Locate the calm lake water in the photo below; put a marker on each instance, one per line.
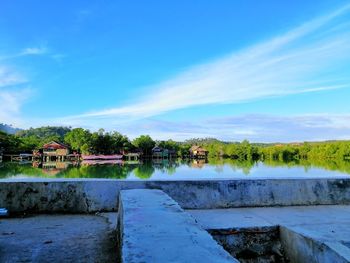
(177, 170)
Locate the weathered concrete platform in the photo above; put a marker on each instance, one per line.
(154, 228)
(58, 238)
(308, 233)
(308, 217)
(86, 196)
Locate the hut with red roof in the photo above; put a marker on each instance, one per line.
(55, 151)
(198, 152)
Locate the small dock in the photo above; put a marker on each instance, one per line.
(132, 156)
(18, 157)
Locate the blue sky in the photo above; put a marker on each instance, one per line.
(259, 70)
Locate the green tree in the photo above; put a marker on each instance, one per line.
(101, 143)
(145, 143)
(78, 139)
(169, 144)
(30, 143)
(56, 132)
(121, 142)
(304, 150)
(184, 150)
(9, 143)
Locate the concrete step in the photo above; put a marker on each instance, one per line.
(310, 234)
(154, 228)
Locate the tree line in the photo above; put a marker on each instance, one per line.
(279, 152)
(80, 140)
(102, 142)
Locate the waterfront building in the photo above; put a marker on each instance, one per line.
(55, 151)
(159, 152)
(198, 152)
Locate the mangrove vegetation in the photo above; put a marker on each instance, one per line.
(102, 142)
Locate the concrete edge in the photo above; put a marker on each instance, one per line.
(88, 196)
(304, 249)
(150, 240)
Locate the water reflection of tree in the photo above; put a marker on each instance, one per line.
(235, 164)
(71, 171)
(244, 165)
(326, 164)
(14, 169)
(171, 169)
(144, 171)
(98, 171)
(147, 169)
(167, 166)
(171, 166)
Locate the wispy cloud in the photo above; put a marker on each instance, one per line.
(12, 97)
(29, 51)
(11, 102)
(33, 51)
(254, 127)
(272, 128)
(10, 77)
(14, 86)
(309, 58)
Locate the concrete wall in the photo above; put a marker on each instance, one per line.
(302, 249)
(76, 196)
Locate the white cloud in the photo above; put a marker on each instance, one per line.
(12, 97)
(309, 58)
(272, 128)
(12, 92)
(254, 127)
(11, 103)
(29, 51)
(9, 77)
(33, 51)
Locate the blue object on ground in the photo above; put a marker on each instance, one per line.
(3, 212)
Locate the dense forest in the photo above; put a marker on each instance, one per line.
(102, 142)
(280, 152)
(79, 140)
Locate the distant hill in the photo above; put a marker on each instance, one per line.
(203, 141)
(47, 132)
(8, 128)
